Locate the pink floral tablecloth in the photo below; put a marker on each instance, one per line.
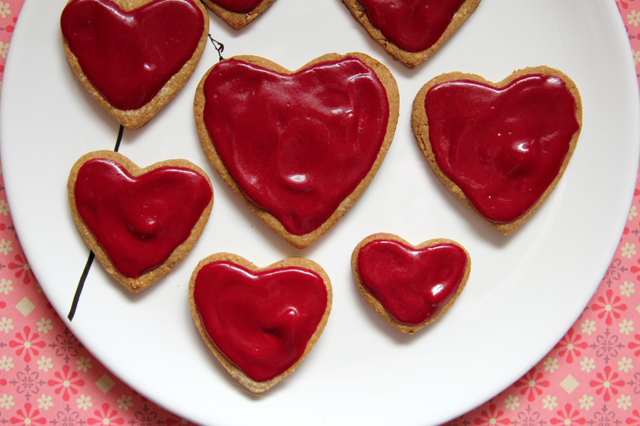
(591, 377)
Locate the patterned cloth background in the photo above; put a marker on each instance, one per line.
(591, 377)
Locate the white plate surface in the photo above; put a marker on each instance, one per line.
(524, 292)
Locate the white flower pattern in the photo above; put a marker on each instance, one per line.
(627, 289)
(45, 402)
(628, 250)
(4, 9)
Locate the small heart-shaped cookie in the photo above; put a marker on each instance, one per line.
(298, 148)
(238, 13)
(411, 30)
(138, 222)
(259, 322)
(410, 286)
(500, 148)
(133, 56)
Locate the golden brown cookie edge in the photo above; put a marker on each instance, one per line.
(134, 119)
(303, 241)
(377, 306)
(179, 253)
(236, 373)
(235, 20)
(409, 59)
(420, 126)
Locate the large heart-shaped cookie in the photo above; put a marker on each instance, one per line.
(259, 322)
(500, 148)
(238, 13)
(138, 222)
(133, 56)
(410, 286)
(297, 148)
(411, 30)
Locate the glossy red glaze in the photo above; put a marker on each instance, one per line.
(129, 56)
(502, 147)
(260, 320)
(139, 221)
(297, 145)
(238, 6)
(412, 25)
(413, 285)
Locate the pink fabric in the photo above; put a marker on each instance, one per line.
(591, 377)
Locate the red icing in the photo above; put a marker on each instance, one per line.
(412, 25)
(412, 285)
(139, 221)
(238, 6)
(502, 147)
(129, 56)
(261, 321)
(299, 144)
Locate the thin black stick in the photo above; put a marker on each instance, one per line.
(218, 46)
(83, 278)
(87, 266)
(120, 132)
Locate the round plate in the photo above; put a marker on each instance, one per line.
(524, 292)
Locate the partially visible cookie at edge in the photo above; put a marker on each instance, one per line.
(238, 19)
(411, 59)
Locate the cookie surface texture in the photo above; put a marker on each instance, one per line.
(138, 222)
(500, 148)
(410, 286)
(298, 148)
(133, 56)
(411, 30)
(260, 323)
(238, 13)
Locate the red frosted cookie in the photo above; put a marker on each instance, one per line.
(133, 56)
(411, 30)
(298, 148)
(410, 286)
(138, 222)
(500, 148)
(238, 13)
(259, 322)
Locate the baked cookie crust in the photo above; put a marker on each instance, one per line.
(179, 253)
(377, 306)
(235, 20)
(420, 125)
(239, 375)
(302, 241)
(409, 59)
(136, 118)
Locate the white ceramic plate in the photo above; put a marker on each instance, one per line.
(525, 290)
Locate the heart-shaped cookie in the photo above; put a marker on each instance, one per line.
(411, 30)
(410, 286)
(500, 148)
(138, 222)
(259, 322)
(133, 56)
(238, 13)
(298, 148)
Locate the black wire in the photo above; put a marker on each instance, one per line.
(218, 46)
(87, 266)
